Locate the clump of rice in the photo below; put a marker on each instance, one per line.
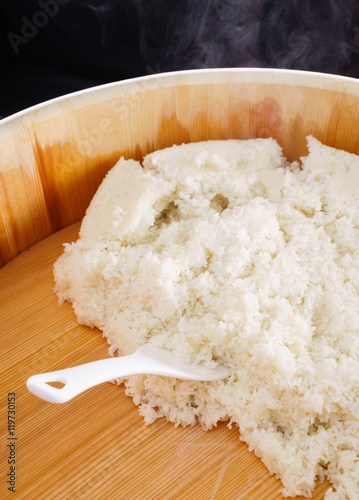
(224, 252)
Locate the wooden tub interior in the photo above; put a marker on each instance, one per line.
(52, 159)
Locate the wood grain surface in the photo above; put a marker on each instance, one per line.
(97, 446)
(54, 156)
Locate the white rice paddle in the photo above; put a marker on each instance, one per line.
(147, 360)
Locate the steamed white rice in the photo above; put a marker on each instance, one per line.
(224, 253)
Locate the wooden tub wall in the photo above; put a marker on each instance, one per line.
(54, 156)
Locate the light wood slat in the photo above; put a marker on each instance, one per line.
(96, 446)
(53, 157)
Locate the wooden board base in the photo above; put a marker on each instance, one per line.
(97, 446)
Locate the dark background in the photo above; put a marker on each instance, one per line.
(52, 47)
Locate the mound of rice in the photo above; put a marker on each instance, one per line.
(224, 252)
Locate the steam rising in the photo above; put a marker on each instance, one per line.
(316, 35)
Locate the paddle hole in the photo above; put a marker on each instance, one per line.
(57, 385)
